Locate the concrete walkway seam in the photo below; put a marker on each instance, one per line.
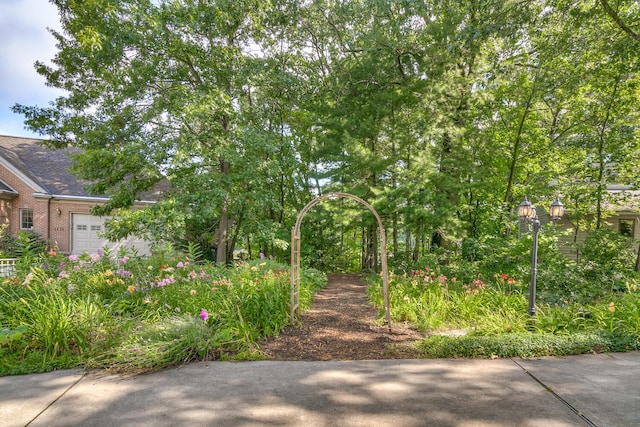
(56, 399)
(556, 395)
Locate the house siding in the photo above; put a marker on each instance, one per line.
(37, 178)
(51, 216)
(60, 233)
(569, 243)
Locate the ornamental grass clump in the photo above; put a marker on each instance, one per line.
(435, 302)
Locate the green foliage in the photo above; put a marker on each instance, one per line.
(608, 259)
(194, 252)
(9, 336)
(6, 242)
(526, 344)
(131, 314)
(606, 265)
(433, 301)
(490, 319)
(438, 114)
(27, 247)
(154, 345)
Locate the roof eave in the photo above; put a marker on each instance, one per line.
(31, 183)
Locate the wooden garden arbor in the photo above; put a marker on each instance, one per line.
(295, 253)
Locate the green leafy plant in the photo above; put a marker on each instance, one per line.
(525, 344)
(491, 317)
(127, 313)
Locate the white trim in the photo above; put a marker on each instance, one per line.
(22, 211)
(70, 198)
(8, 186)
(11, 194)
(22, 176)
(42, 196)
(82, 198)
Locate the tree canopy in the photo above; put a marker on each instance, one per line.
(442, 114)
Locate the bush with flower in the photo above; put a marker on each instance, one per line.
(128, 313)
(476, 301)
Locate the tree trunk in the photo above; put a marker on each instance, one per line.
(515, 150)
(395, 234)
(416, 248)
(369, 248)
(602, 157)
(231, 244)
(223, 227)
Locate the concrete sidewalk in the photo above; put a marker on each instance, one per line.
(602, 390)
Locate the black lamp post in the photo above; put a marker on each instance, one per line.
(527, 214)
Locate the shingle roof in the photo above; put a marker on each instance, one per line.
(48, 168)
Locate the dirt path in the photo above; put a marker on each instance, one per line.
(341, 325)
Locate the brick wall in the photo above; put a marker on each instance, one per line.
(51, 217)
(60, 231)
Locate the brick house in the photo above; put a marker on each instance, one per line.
(38, 194)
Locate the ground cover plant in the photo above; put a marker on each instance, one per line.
(127, 313)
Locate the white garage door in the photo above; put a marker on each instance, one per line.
(85, 236)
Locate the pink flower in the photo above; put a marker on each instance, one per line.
(180, 265)
(166, 281)
(204, 315)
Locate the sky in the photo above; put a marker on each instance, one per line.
(24, 39)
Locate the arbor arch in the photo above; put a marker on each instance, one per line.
(295, 253)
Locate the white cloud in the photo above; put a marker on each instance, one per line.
(24, 39)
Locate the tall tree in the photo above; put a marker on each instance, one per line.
(162, 90)
(435, 112)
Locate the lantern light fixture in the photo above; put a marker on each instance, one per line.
(556, 210)
(527, 213)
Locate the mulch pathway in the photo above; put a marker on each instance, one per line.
(342, 325)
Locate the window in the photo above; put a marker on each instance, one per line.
(26, 219)
(626, 227)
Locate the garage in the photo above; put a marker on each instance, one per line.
(85, 236)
